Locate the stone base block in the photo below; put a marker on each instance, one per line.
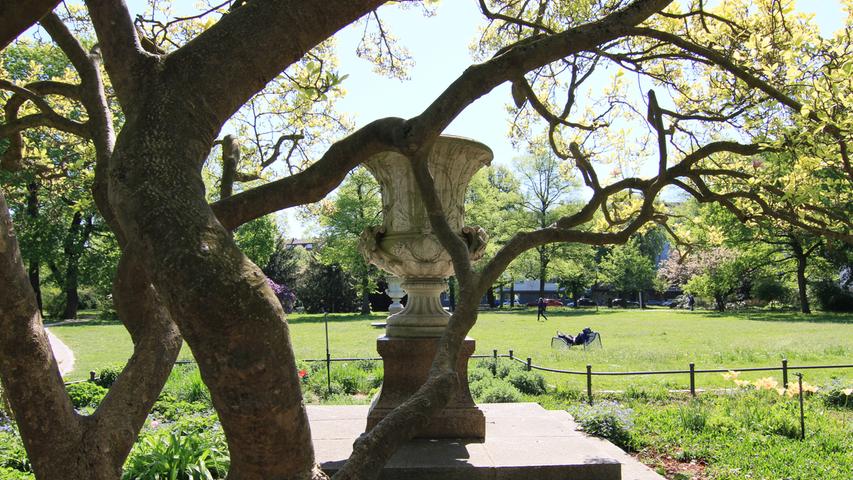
(407, 362)
(523, 442)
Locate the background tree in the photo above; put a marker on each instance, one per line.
(627, 270)
(355, 206)
(545, 185)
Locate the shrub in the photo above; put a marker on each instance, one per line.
(178, 456)
(769, 289)
(185, 384)
(832, 298)
(170, 409)
(836, 396)
(607, 420)
(500, 391)
(478, 373)
(530, 383)
(106, 376)
(85, 394)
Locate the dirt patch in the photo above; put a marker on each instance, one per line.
(673, 468)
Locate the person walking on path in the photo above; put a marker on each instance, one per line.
(541, 310)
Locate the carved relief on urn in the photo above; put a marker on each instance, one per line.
(405, 245)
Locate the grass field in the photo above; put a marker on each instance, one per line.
(653, 339)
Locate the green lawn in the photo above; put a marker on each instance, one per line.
(654, 339)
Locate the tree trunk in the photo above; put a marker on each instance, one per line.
(61, 443)
(221, 302)
(501, 295)
(35, 261)
(365, 294)
(511, 293)
(74, 244)
(801, 281)
(490, 297)
(721, 303)
(543, 271)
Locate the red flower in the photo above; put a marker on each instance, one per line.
(303, 374)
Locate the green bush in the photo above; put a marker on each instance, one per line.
(478, 373)
(832, 298)
(168, 408)
(500, 392)
(85, 394)
(530, 383)
(106, 376)
(835, 395)
(607, 420)
(174, 455)
(185, 384)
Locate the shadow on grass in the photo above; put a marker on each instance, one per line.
(784, 316)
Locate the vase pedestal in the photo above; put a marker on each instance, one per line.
(407, 362)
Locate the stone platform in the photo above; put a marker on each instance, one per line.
(523, 441)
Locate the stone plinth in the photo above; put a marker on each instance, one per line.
(523, 442)
(406, 362)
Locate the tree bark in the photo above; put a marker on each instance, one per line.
(35, 260)
(19, 16)
(220, 300)
(802, 285)
(365, 294)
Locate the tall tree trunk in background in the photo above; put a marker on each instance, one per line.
(511, 292)
(720, 301)
(365, 294)
(802, 260)
(543, 269)
(34, 272)
(78, 236)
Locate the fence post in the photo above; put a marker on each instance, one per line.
(92, 376)
(510, 354)
(802, 414)
(328, 354)
(529, 363)
(692, 379)
(589, 383)
(785, 372)
(494, 362)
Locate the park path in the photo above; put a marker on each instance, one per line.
(64, 356)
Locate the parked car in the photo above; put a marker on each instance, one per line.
(625, 303)
(549, 302)
(586, 302)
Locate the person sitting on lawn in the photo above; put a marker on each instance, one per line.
(584, 336)
(570, 340)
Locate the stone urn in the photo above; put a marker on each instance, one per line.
(405, 246)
